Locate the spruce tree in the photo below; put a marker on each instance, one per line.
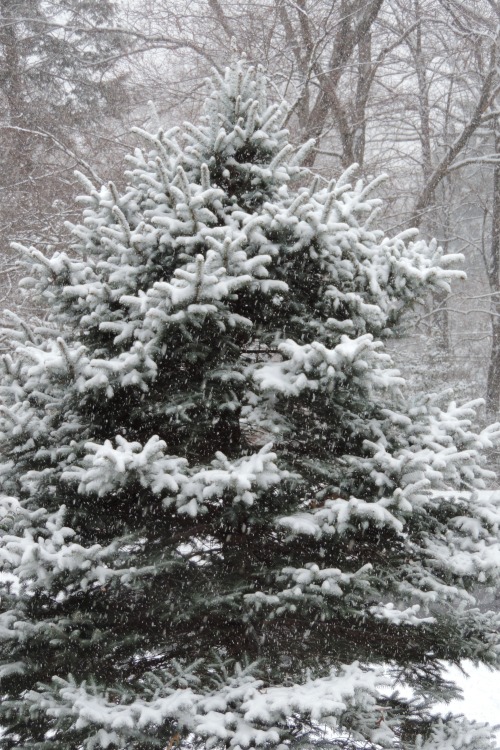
(224, 525)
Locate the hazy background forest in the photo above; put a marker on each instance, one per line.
(408, 88)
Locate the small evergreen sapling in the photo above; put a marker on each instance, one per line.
(223, 524)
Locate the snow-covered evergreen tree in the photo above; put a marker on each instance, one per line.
(223, 524)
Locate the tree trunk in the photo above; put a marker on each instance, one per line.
(14, 91)
(493, 384)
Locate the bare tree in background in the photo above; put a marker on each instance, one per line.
(320, 53)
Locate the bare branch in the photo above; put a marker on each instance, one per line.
(59, 145)
(455, 149)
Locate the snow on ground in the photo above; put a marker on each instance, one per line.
(481, 701)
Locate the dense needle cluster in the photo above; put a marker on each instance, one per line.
(223, 524)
